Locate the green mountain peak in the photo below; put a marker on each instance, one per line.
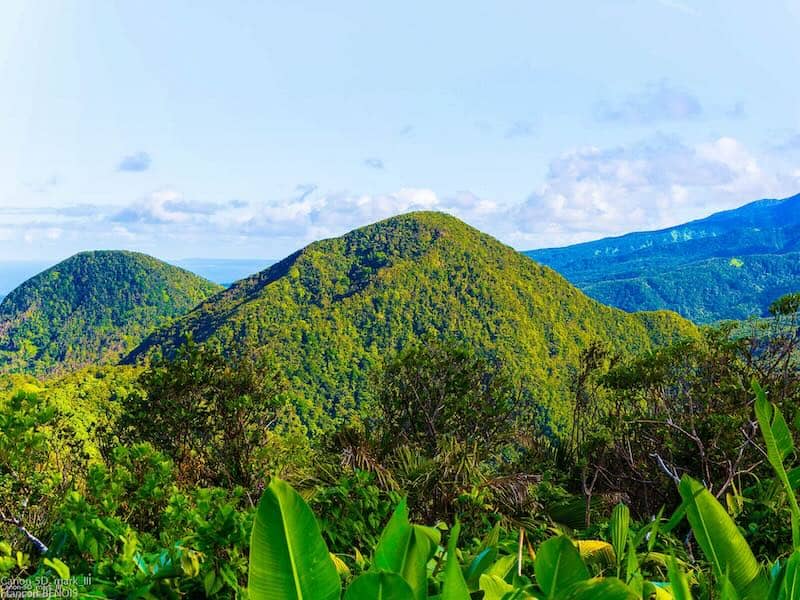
(333, 310)
(92, 308)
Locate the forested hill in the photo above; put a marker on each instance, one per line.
(331, 311)
(730, 265)
(92, 308)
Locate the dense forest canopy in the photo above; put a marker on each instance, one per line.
(92, 308)
(413, 371)
(329, 313)
(730, 265)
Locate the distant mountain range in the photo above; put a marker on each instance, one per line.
(332, 310)
(730, 265)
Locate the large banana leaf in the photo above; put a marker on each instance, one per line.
(791, 580)
(609, 588)
(479, 565)
(721, 541)
(679, 586)
(779, 443)
(620, 522)
(379, 585)
(405, 549)
(558, 566)
(494, 587)
(288, 557)
(454, 587)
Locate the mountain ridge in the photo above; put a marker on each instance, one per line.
(334, 309)
(708, 269)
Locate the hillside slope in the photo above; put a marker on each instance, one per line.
(92, 308)
(334, 309)
(730, 265)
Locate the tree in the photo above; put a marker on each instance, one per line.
(209, 412)
(39, 460)
(437, 389)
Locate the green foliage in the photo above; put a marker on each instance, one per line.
(352, 509)
(721, 541)
(331, 312)
(780, 446)
(288, 557)
(92, 308)
(39, 459)
(730, 265)
(146, 478)
(435, 390)
(207, 412)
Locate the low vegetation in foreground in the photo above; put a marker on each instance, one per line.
(442, 418)
(195, 477)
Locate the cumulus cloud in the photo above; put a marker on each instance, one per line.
(659, 101)
(167, 207)
(594, 192)
(587, 193)
(373, 163)
(134, 163)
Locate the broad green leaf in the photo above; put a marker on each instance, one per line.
(679, 586)
(619, 525)
(494, 587)
(379, 585)
(675, 519)
(596, 552)
(558, 566)
(791, 580)
(726, 590)
(405, 549)
(454, 587)
(59, 567)
(794, 477)
(432, 533)
(390, 553)
(479, 565)
(632, 561)
(288, 557)
(774, 431)
(783, 438)
(776, 576)
(651, 591)
(609, 588)
(721, 541)
(502, 566)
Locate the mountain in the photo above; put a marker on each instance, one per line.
(730, 265)
(92, 307)
(332, 310)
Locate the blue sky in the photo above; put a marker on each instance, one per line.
(247, 129)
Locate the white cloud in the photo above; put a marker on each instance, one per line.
(593, 192)
(587, 193)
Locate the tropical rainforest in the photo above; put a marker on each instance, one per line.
(730, 265)
(410, 411)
